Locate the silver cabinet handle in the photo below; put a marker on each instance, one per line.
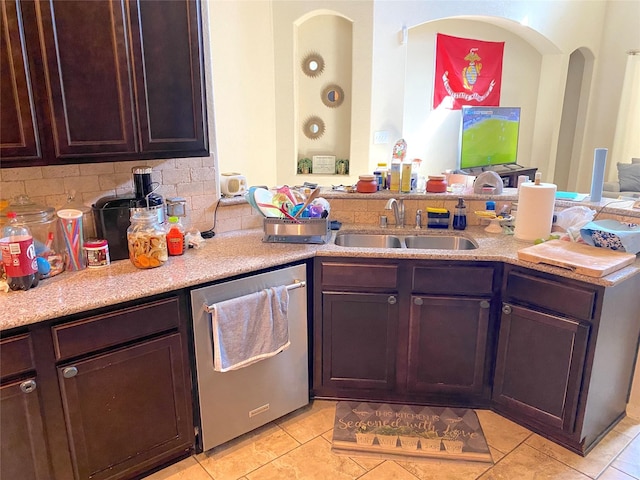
(69, 372)
(506, 309)
(392, 300)
(484, 304)
(418, 301)
(28, 386)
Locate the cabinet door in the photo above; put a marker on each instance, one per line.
(539, 366)
(19, 141)
(23, 450)
(87, 73)
(127, 410)
(359, 335)
(167, 57)
(447, 345)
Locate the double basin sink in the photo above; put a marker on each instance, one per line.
(383, 240)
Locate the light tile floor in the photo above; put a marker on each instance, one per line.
(298, 446)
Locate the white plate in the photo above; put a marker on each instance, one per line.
(252, 201)
(264, 199)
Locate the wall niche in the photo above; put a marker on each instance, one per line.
(324, 46)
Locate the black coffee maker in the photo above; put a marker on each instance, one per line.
(112, 214)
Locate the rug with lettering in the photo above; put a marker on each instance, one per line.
(412, 432)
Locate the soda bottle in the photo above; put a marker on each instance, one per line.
(19, 255)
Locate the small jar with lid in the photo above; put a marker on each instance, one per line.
(96, 252)
(367, 184)
(147, 240)
(437, 184)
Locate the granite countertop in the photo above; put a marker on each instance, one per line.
(230, 254)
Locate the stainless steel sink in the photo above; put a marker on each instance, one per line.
(382, 240)
(367, 240)
(440, 242)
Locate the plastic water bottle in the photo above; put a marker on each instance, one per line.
(19, 255)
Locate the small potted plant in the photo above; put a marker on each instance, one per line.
(342, 166)
(409, 438)
(365, 434)
(387, 436)
(305, 165)
(430, 440)
(452, 440)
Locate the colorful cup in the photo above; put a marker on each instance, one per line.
(71, 226)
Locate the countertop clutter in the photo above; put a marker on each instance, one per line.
(231, 254)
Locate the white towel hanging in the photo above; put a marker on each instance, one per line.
(250, 328)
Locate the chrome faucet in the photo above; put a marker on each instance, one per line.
(398, 211)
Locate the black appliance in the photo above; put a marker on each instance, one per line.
(143, 189)
(112, 215)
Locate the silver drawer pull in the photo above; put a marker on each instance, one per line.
(418, 301)
(484, 304)
(392, 300)
(506, 309)
(69, 372)
(28, 386)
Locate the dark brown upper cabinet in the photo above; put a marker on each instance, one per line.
(19, 126)
(111, 80)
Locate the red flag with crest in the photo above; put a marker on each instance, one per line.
(468, 72)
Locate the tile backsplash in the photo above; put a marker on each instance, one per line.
(193, 179)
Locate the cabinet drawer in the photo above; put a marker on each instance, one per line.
(358, 275)
(562, 298)
(452, 280)
(16, 355)
(114, 328)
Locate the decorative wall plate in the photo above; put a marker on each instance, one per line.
(314, 127)
(313, 64)
(332, 96)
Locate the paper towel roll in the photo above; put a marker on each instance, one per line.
(597, 179)
(536, 203)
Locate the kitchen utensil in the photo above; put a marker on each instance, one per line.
(289, 193)
(578, 257)
(282, 209)
(264, 202)
(314, 193)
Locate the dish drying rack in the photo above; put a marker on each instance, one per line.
(300, 230)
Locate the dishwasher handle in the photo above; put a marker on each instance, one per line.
(292, 286)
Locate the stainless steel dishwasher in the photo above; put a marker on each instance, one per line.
(238, 401)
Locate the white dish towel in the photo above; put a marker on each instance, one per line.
(250, 328)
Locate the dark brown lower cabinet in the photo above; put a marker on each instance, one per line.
(359, 340)
(566, 355)
(102, 397)
(126, 408)
(539, 365)
(448, 345)
(403, 330)
(23, 450)
(552, 353)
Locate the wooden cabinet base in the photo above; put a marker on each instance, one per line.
(553, 354)
(101, 397)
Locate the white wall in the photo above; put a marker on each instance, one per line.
(253, 62)
(433, 135)
(607, 29)
(242, 67)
